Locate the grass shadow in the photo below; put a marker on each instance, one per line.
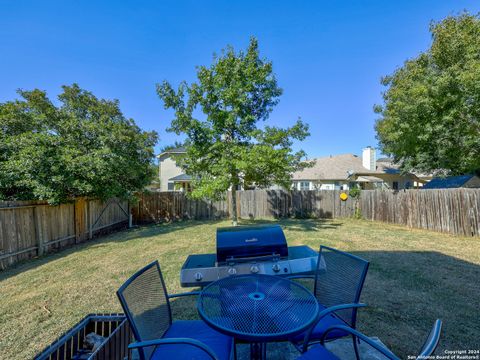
(310, 224)
(296, 224)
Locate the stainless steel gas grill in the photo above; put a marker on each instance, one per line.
(248, 250)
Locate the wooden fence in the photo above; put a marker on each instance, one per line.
(455, 211)
(157, 207)
(31, 228)
(251, 204)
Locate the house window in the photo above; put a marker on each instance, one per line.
(304, 185)
(328, 187)
(337, 186)
(171, 186)
(407, 185)
(395, 185)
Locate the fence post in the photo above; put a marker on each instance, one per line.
(130, 217)
(79, 214)
(38, 234)
(90, 220)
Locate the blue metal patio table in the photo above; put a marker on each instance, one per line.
(258, 309)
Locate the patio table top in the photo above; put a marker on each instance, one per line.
(258, 308)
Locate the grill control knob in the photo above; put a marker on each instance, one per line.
(198, 276)
(232, 271)
(276, 267)
(254, 269)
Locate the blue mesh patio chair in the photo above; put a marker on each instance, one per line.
(338, 283)
(146, 304)
(320, 352)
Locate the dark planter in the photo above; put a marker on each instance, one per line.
(71, 345)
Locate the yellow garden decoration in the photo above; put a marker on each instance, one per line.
(343, 196)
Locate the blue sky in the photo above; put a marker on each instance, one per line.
(328, 56)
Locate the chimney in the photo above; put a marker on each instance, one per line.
(369, 160)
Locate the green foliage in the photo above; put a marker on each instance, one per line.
(354, 191)
(358, 212)
(227, 147)
(84, 147)
(430, 119)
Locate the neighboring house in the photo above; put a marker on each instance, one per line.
(337, 172)
(424, 178)
(172, 177)
(340, 172)
(451, 182)
(393, 175)
(153, 186)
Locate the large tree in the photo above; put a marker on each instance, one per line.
(83, 147)
(226, 148)
(430, 118)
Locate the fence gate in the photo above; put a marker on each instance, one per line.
(101, 215)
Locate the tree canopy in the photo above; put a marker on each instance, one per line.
(226, 147)
(83, 147)
(430, 118)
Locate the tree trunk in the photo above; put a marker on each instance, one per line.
(234, 205)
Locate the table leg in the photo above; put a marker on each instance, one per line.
(258, 351)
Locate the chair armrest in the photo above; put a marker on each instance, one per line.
(334, 308)
(432, 340)
(382, 349)
(172, 296)
(324, 313)
(170, 341)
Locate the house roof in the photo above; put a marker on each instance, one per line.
(368, 179)
(181, 177)
(179, 150)
(333, 168)
(385, 159)
(448, 182)
(387, 166)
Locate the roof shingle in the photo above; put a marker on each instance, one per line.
(332, 168)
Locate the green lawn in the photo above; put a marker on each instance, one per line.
(415, 277)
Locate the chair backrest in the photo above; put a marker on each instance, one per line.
(145, 302)
(432, 340)
(339, 280)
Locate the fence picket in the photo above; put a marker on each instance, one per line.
(34, 228)
(453, 211)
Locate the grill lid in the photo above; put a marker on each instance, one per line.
(240, 242)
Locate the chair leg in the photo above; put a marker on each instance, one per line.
(355, 346)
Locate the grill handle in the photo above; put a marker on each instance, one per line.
(274, 257)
